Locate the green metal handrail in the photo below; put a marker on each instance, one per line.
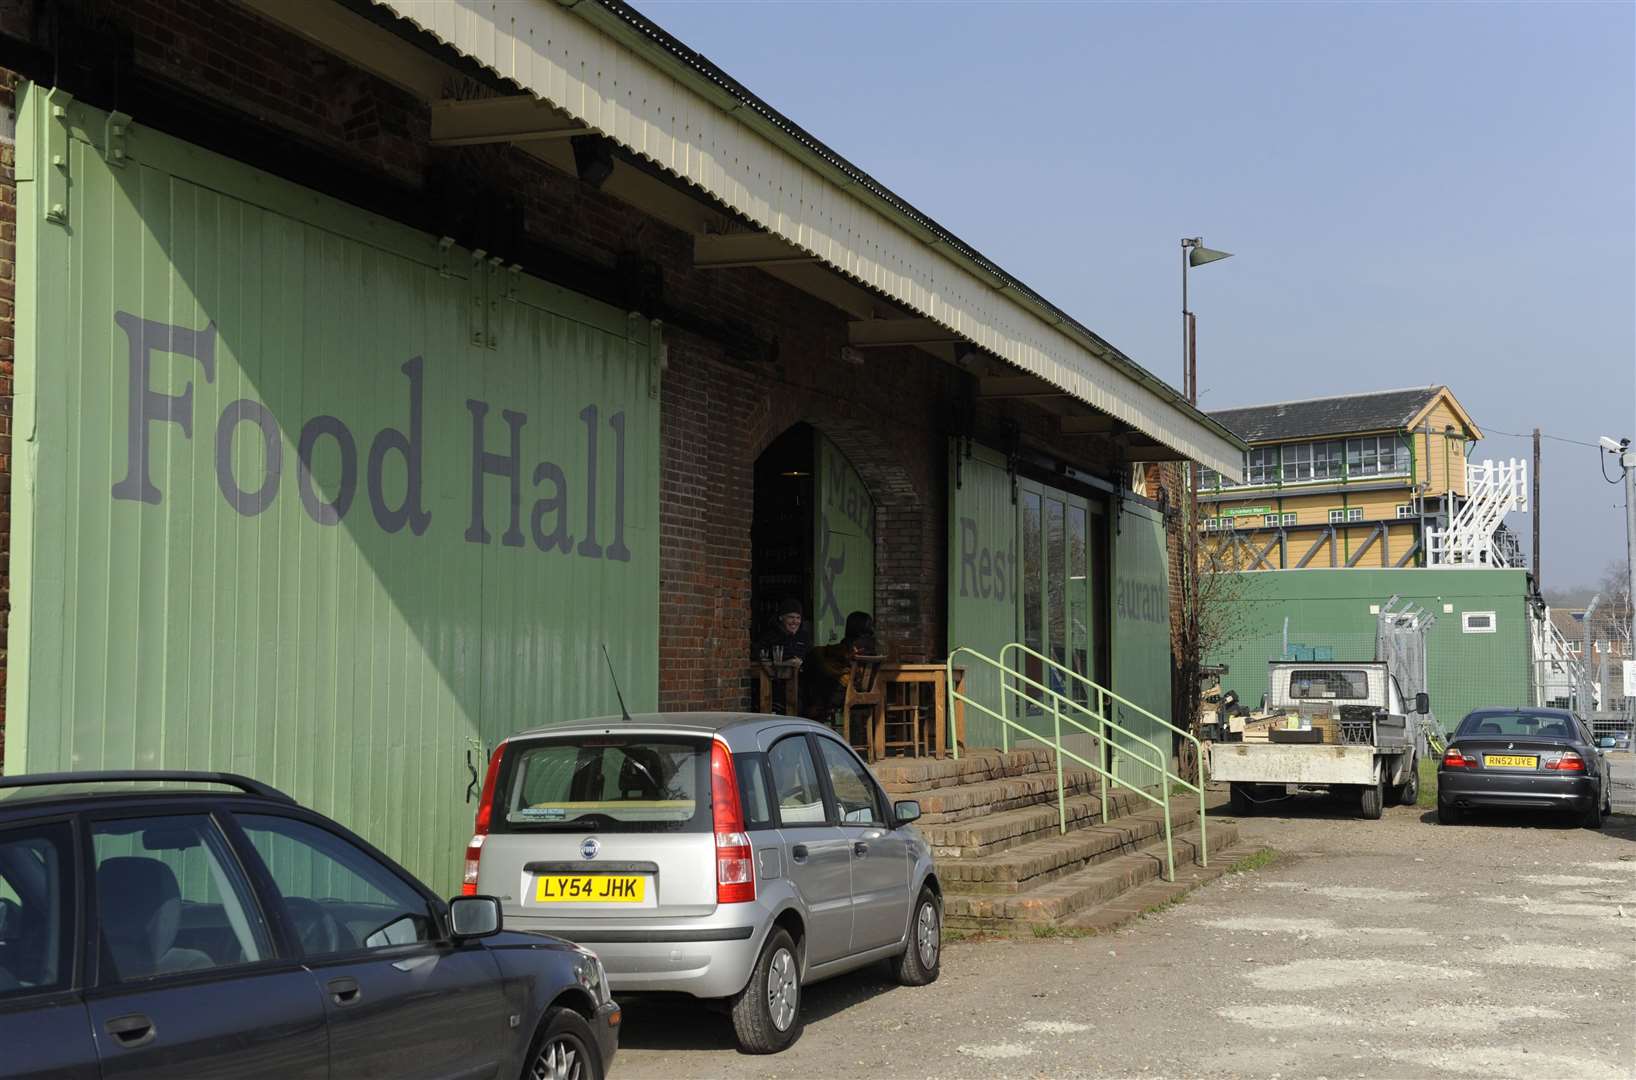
(1103, 694)
(1162, 800)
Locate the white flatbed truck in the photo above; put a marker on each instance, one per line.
(1337, 726)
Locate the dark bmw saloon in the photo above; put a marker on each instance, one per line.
(183, 925)
(1523, 759)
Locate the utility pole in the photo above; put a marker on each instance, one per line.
(1538, 576)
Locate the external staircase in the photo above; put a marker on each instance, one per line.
(1473, 537)
(1035, 835)
(1011, 858)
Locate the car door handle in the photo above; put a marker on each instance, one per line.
(132, 1031)
(860, 849)
(798, 853)
(344, 991)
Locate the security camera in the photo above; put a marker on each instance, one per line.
(1612, 446)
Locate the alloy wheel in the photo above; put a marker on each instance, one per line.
(559, 1059)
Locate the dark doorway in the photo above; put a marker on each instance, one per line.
(781, 530)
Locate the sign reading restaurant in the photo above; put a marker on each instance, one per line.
(495, 453)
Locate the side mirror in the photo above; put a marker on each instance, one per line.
(472, 917)
(1422, 703)
(906, 811)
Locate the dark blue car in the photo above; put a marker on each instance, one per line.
(201, 924)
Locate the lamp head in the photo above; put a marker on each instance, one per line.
(1198, 255)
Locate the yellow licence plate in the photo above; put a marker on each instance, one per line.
(589, 889)
(1510, 761)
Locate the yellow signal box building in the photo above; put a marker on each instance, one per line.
(1365, 480)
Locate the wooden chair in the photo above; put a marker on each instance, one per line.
(864, 690)
(904, 722)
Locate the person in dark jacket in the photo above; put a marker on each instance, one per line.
(825, 677)
(788, 639)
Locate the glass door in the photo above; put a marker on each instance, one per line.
(1063, 599)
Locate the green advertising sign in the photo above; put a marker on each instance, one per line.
(307, 495)
(844, 547)
(982, 562)
(1141, 632)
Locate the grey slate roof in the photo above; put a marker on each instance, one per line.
(1382, 410)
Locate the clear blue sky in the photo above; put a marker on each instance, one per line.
(1414, 193)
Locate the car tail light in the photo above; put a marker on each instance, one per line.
(1456, 758)
(485, 808)
(1568, 762)
(735, 867)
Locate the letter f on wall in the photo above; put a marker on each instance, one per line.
(146, 404)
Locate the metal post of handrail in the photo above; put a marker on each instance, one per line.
(1062, 798)
(1102, 751)
(1204, 847)
(948, 714)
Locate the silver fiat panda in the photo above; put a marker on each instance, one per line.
(720, 855)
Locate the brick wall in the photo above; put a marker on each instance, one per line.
(748, 355)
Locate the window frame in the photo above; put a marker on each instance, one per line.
(1409, 507)
(1338, 517)
(280, 954)
(1493, 626)
(267, 885)
(1265, 471)
(831, 817)
(1289, 517)
(77, 921)
(1297, 464)
(882, 818)
(1354, 514)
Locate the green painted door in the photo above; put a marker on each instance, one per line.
(844, 542)
(306, 496)
(1141, 635)
(982, 565)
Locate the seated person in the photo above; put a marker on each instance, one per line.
(789, 635)
(825, 679)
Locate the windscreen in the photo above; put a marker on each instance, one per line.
(1336, 684)
(608, 783)
(1523, 724)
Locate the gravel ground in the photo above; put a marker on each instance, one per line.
(1394, 948)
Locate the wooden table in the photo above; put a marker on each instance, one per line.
(786, 672)
(938, 676)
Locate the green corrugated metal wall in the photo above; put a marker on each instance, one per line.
(1141, 634)
(1331, 608)
(982, 574)
(328, 629)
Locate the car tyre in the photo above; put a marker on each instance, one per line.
(923, 958)
(565, 1049)
(1239, 800)
(1592, 818)
(767, 1012)
(1372, 798)
(1449, 814)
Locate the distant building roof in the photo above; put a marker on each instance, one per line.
(1380, 410)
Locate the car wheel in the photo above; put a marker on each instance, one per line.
(565, 1049)
(923, 958)
(1239, 800)
(767, 1012)
(1449, 814)
(1372, 797)
(1592, 818)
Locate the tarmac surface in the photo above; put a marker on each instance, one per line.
(1390, 948)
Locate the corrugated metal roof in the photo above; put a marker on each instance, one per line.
(1380, 410)
(622, 75)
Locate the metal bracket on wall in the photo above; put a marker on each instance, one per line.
(114, 131)
(444, 243)
(56, 156)
(658, 355)
(479, 306)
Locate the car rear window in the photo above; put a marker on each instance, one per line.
(1329, 683)
(609, 783)
(1527, 725)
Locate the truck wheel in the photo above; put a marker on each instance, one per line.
(1239, 800)
(1371, 799)
(1408, 793)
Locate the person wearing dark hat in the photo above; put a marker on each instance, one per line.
(787, 639)
(824, 681)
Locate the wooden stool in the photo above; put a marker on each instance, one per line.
(904, 720)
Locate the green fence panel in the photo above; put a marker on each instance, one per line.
(843, 542)
(982, 566)
(1141, 633)
(302, 494)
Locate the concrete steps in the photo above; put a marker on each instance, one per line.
(1039, 862)
(1007, 829)
(1158, 893)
